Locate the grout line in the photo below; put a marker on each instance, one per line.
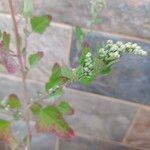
(88, 137)
(57, 144)
(131, 126)
(111, 99)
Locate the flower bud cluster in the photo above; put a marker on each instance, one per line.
(113, 51)
(89, 64)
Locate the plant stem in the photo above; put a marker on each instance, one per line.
(23, 74)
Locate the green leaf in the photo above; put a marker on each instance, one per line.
(55, 78)
(105, 71)
(35, 58)
(67, 72)
(80, 35)
(39, 24)
(65, 108)
(36, 108)
(6, 134)
(28, 8)
(6, 40)
(86, 80)
(14, 102)
(5, 130)
(50, 120)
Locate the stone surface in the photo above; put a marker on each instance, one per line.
(43, 142)
(130, 78)
(99, 117)
(131, 17)
(139, 135)
(55, 43)
(85, 144)
(12, 85)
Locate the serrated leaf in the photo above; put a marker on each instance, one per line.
(50, 120)
(28, 8)
(67, 72)
(35, 58)
(6, 40)
(14, 102)
(65, 108)
(39, 24)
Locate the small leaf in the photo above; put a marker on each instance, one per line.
(65, 108)
(5, 130)
(28, 8)
(6, 134)
(80, 35)
(56, 78)
(35, 58)
(50, 120)
(39, 24)
(14, 102)
(86, 80)
(106, 71)
(36, 108)
(6, 40)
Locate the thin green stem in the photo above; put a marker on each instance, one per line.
(21, 63)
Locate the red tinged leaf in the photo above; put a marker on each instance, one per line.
(50, 120)
(7, 61)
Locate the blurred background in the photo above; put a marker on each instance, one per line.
(113, 113)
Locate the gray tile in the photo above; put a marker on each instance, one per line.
(99, 117)
(12, 85)
(43, 142)
(55, 43)
(130, 78)
(139, 135)
(84, 144)
(129, 17)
